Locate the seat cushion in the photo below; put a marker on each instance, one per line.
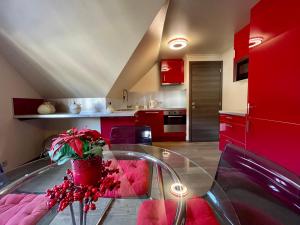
(22, 209)
(134, 176)
(162, 212)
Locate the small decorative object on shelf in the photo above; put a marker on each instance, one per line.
(89, 178)
(46, 108)
(75, 108)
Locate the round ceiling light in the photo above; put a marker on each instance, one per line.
(177, 43)
(255, 41)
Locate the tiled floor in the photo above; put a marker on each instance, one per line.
(205, 154)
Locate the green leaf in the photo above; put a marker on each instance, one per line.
(62, 155)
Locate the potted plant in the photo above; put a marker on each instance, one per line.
(89, 178)
(84, 149)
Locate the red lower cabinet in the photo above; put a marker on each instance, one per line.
(107, 123)
(153, 119)
(276, 141)
(232, 130)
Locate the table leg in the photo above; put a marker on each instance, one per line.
(81, 212)
(72, 215)
(84, 218)
(160, 181)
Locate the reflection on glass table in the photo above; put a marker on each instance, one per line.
(177, 191)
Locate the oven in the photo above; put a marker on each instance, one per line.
(174, 121)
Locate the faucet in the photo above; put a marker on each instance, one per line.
(125, 97)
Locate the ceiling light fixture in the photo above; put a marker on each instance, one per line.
(255, 41)
(177, 43)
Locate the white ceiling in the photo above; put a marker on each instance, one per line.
(143, 58)
(73, 48)
(209, 25)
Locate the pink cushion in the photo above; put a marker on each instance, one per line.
(134, 178)
(22, 209)
(159, 212)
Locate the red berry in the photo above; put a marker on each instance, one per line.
(86, 208)
(94, 190)
(87, 194)
(93, 206)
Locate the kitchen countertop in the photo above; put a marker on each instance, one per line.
(127, 113)
(234, 112)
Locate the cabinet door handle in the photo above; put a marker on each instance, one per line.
(175, 116)
(247, 126)
(228, 125)
(228, 117)
(151, 112)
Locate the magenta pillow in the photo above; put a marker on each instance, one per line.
(160, 212)
(22, 209)
(134, 176)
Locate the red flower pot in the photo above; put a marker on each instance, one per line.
(86, 172)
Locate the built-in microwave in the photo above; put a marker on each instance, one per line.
(241, 69)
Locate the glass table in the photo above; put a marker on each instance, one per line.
(173, 176)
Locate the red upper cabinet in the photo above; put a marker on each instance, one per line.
(241, 43)
(273, 67)
(172, 71)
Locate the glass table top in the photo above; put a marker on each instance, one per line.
(173, 176)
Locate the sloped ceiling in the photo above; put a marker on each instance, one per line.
(144, 57)
(209, 25)
(73, 48)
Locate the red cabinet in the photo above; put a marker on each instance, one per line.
(276, 141)
(107, 123)
(172, 71)
(241, 43)
(154, 119)
(232, 130)
(274, 78)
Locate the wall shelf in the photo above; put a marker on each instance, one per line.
(74, 116)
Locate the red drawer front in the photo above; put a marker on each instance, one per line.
(233, 119)
(224, 140)
(234, 131)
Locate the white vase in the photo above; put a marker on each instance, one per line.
(75, 108)
(46, 108)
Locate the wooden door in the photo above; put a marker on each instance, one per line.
(205, 100)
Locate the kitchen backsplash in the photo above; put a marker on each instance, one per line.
(167, 98)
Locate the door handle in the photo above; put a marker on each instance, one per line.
(151, 112)
(193, 103)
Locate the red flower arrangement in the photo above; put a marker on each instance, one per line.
(67, 192)
(90, 177)
(76, 144)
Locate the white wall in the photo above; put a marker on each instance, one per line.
(149, 86)
(234, 93)
(20, 141)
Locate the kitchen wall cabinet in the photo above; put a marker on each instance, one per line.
(232, 130)
(241, 43)
(154, 119)
(274, 78)
(172, 72)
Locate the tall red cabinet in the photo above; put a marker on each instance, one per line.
(273, 123)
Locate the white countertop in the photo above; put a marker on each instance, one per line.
(234, 112)
(127, 113)
(80, 115)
